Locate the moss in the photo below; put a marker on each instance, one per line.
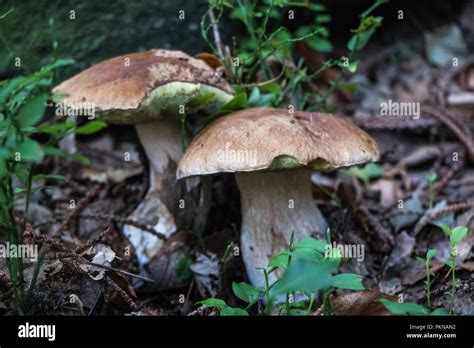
(100, 30)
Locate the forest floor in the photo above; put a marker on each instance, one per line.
(392, 213)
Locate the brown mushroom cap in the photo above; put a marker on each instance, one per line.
(120, 86)
(274, 139)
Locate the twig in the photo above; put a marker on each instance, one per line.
(216, 33)
(263, 83)
(146, 279)
(133, 305)
(447, 78)
(79, 207)
(107, 217)
(122, 220)
(382, 232)
(433, 216)
(188, 295)
(448, 175)
(373, 123)
(463, 135)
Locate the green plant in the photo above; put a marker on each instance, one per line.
(308, 267)
(267, 40)
(366, 173)
(23, 102)
(410, 308)
(426, 263)
(430, 179)
(455, 236)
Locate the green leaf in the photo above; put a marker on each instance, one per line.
(303, 275)
(245, 292)
(445, 229)
(279, 260)
(49, 176)
(91, 127)
(30, 150)
(183, 270)
(348, 281)
(54, 128)
(363, 33)
(319, 44)
(404, 308)
(430, 254)
(311, 243)
(439, 311)
(431, 177)
(57, 64)
(32, 112)
(298, 312)
(421, 260)
(369, 171)
(80, 158)
(457, 234)
(451, 263)
(3, 168)
(213, 302)
(233, 312)
(307, 254)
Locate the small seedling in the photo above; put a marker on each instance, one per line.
(430, 179)
(366, 173)
(455, 236)
(426, 263)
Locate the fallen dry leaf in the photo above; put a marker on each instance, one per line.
(210, 59)
(361, 303)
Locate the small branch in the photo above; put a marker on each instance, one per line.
(79, 207)
(107, 217)
(463, 135)
(146, 279)
(216, 33)
(433, 216)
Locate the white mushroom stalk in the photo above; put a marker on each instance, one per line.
(156, 209)
(274, 205)
(272, 153)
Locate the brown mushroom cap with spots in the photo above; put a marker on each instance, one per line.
(272, 153)
(150, 90)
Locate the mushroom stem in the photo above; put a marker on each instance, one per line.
(274, 204)
(161, 141)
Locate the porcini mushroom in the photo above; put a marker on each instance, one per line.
(147, 89)
(272, 153)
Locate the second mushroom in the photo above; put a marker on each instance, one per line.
(272, 153)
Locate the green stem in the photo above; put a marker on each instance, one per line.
(326, 304)
(268, 307)
(287, 296)
(428, 283)
(311, 301)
